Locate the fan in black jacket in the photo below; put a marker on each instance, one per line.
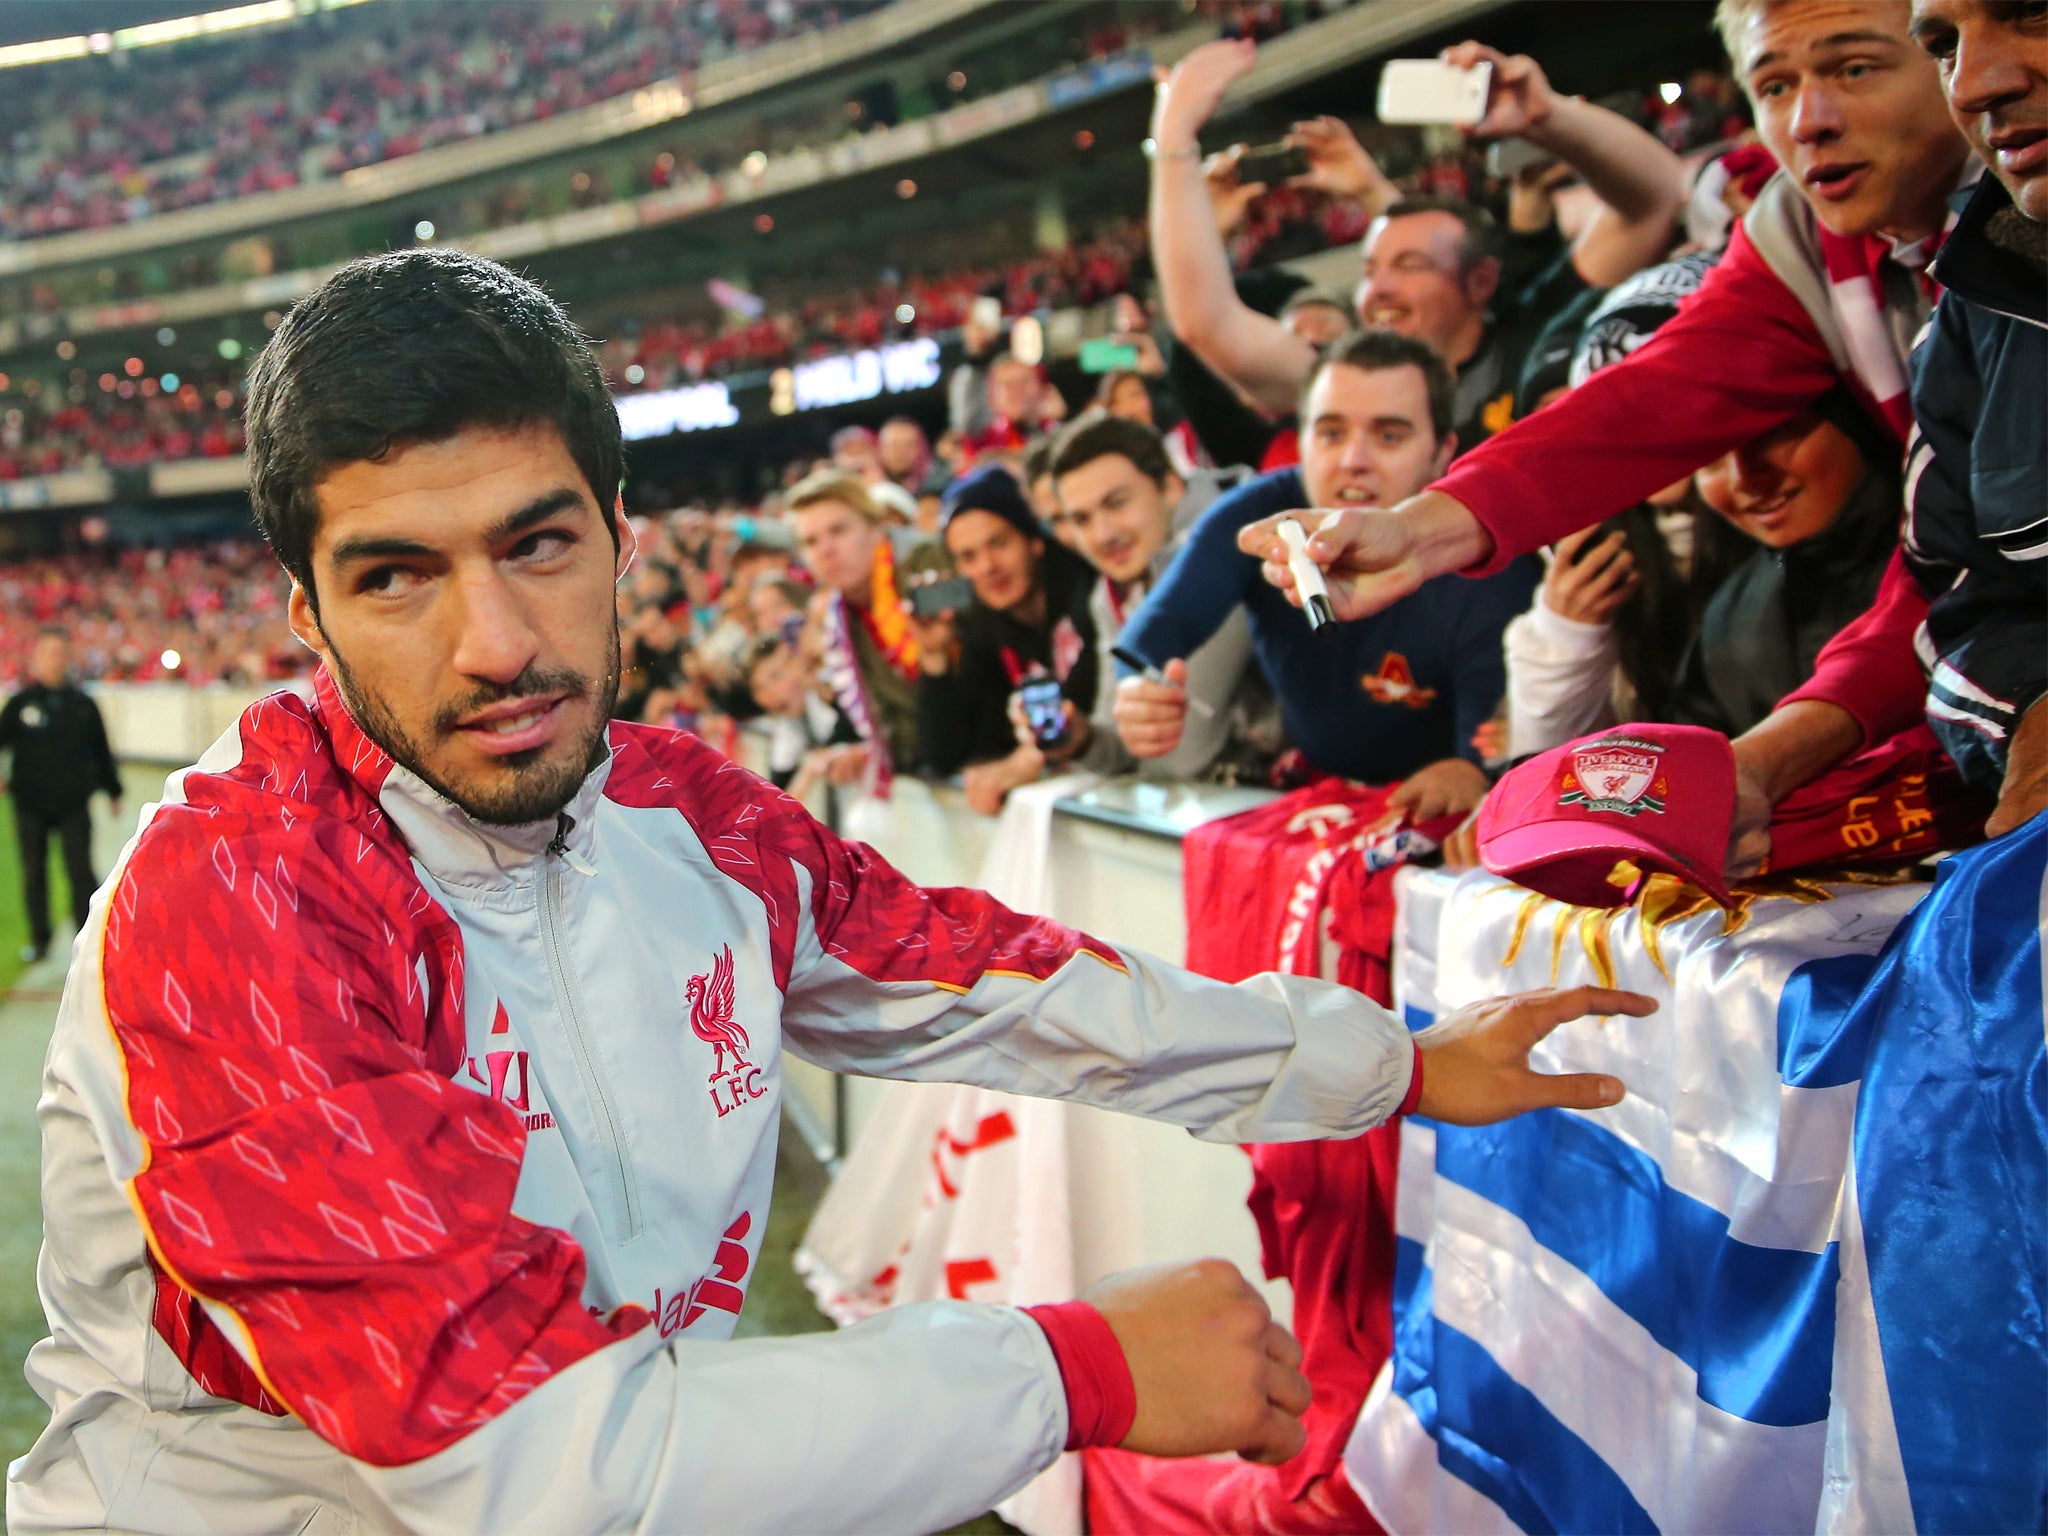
(1977, 502)
(1029, 619)
(1821, 511)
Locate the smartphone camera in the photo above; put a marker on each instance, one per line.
(938, 595)
(1045, 710)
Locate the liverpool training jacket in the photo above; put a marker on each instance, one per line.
(406, 1173)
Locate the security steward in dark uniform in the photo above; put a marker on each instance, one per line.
(60, 756)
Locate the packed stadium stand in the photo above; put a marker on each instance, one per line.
(969, 357)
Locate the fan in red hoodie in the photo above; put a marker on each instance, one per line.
(1824, 283)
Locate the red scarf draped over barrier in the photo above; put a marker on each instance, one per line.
(1303, 884)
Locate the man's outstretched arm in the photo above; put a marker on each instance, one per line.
(890, 979)
(332, 1217)
(1641, 185)
(1741, 357)
(1258, 354)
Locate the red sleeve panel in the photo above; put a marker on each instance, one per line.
(287, 1008)
(1741, 357)
(865, 913)
(1871, 668)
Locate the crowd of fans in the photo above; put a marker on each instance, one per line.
(121, 422)
(1485, 298)
(1587, 453)
(671, 351)
(117, 421)
(104, 141)
(198, 614)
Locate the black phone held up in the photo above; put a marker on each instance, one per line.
(1272, 163)
(934, 598)
(1045, 709)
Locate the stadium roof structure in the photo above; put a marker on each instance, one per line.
(71, 29)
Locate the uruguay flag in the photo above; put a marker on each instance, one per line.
(1795, 1281)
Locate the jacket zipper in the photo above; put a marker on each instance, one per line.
(625, 1198)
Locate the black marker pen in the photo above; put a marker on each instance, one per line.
(1308, 576)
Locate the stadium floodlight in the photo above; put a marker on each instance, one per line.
(1671, 90)
(424, 230)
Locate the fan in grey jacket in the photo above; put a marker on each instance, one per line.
(1127, 510)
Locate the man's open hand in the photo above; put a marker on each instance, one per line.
(1150, 717)
(1373, 557)
(1339, 165)
(1190, 95)
(1475, 1062)
(1519, 99)
(1450, 787)
(1213, 1371)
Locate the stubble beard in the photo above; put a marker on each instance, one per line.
(538, 786)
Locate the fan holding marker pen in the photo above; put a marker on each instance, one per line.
(1308, 576)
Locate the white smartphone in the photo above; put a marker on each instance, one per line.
(1431, 91)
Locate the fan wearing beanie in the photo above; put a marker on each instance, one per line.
(1028, 620)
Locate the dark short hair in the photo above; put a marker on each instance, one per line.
(1038, 458)
(1376, 348)
(414, 347)
(1093, 437)
(1315, 298)
(1479, 235)
(760, 649)
(749, 550)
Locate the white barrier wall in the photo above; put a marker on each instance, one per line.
(1115, 860)
(169, 723)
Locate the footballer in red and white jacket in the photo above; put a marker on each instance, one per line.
(410, 1119)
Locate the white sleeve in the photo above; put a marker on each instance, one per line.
(913, 1421)
(1560, 678)
(950, 986)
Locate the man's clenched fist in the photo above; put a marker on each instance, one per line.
(1212, 1370)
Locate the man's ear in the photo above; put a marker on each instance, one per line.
(1446, 450)
(1173, 488)
(1482, 282)
(305, 623)
(629, 541)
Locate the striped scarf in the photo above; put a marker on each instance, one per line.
(840, 668)
(1856, 287)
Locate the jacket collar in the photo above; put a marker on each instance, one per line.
(455, 848)
(1973, 267)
